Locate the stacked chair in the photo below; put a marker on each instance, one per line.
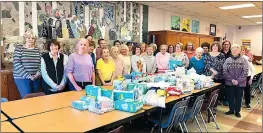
(210, 104)
(174, 118)
(257, 85)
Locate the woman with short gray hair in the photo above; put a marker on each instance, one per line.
(198, 62)
(235, 70)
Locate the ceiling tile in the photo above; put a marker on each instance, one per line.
(246, 11)
(255, 19)
(258, 4)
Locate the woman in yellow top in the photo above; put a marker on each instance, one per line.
(105, 68)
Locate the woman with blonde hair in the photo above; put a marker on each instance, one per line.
(80, 68)
(118, 62)
(27, 65)
(124, 55)
(143, 47)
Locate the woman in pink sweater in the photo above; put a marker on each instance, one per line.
(162, 58)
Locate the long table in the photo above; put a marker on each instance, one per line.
(8, 127)
(31, 106)
(54, 113)
(3, 117)
(71, 120)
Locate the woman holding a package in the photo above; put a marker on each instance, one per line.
(235, 73)
(180, 56)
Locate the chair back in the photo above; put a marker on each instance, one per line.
(212, 99)
(120, 129)
(257, 80)
(178, 112)
(197, 105)
(31, 95)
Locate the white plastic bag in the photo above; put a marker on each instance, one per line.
(151, 98)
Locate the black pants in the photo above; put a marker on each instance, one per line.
(223, 94)
(247, 93)
(235, 94)
(48, 92)
(80, 84)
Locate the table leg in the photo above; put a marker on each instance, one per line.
(160, 120)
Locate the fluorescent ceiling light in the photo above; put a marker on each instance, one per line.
(252, 16)
(259, 22)
(237, 6)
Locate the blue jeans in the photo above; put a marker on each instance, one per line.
(27, 86)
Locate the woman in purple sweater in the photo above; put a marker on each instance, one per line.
(80, 68)
(235, 70)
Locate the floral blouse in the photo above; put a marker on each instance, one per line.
(215, 62)
(182, 57)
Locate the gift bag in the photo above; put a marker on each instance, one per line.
(128, 105)
(174, 63)
(172, 91)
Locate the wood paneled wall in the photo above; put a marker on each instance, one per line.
(172, 37)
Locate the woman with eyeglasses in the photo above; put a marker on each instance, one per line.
(180, 56)
(162, 58)
(27, 64)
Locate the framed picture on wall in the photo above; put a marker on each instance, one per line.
(212, 30)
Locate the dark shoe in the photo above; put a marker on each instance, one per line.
(238, 115)
(229, 113)
(248, 107)
(225, 104)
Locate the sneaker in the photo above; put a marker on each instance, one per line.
(229, 113)
(248, 107)
(238, 115)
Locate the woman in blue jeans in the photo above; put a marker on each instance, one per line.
(27, 59)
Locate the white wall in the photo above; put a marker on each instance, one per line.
(253, 32)
(161, 20)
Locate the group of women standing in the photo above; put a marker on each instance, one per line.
(100, 66)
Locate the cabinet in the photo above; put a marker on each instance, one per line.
(8, 86)
(172, 37)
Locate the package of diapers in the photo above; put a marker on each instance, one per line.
(128, 105)
(121, 95)
(80, 105)
(93, 91)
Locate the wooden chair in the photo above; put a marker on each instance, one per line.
(120, 129)
(31, 95)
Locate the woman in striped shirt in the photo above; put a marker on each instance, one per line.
(27, 59)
